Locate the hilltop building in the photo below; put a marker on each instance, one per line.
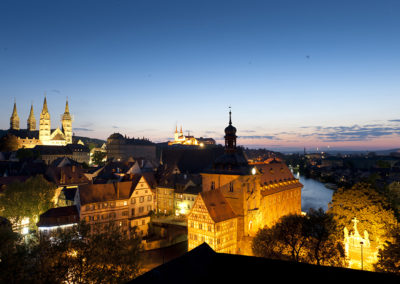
(250, 196)
(181, 139)
(31, 137)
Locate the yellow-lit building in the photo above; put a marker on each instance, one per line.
(259, 194)
(30, 137)
(127, 204)
(213, 221)
(180, 139)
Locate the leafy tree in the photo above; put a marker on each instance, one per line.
(323, 248)
(369, 207)
(389, 255)
(27, 199)
(24, 154)
(98, 157)
(285, 240)
(8, 143)
(14, 260)
(300, 238)
(77, 255)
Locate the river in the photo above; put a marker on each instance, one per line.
(314, 194)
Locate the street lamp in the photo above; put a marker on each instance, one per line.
(362, 260)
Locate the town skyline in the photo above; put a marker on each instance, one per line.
(296, 75)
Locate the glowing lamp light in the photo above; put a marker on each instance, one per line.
(201, 144)
(253, 171)
(25, 230)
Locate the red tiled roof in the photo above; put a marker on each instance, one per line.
(92, 193)
(273, 172)
(217, 206)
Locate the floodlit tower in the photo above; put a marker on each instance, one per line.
(31, 124)
(67, 124)
(14, 120)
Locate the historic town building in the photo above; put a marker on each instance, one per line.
(127, 204)
(30, 137)
(181, 139)
(259, 194)
(120, 148)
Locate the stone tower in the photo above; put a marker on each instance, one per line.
(31, 124)
(67, 124)
(14, 120)
(230, 136)
(44, 124)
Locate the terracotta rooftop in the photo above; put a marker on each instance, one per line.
(59, 216)
(93, 193)
(217, 206)
(273, 172)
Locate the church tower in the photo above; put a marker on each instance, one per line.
(67, 124)
(14, 120)
(44, 124)
(230, 136)
(31, 124)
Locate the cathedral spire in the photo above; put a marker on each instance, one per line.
(14, 120)
(66, 107)
(66, 122)
(45, 109)
(230, 116)
(31, 125)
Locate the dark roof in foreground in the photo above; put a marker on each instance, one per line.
(203, 265)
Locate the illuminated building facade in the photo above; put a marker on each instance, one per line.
(30, 137)
(259, 194)
(120, 148)
(127, 204)
(213, 221)
(180, 139)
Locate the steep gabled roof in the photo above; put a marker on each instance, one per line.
(217, 206)
(273, 171)
(92, 193)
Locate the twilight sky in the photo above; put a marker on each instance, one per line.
(296, 73)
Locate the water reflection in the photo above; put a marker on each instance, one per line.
(314, 194)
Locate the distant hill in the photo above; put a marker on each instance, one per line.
(89, 142)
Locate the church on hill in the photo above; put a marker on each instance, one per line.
(239, 198)
(31, 137)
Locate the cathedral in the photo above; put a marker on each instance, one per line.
(30, 137)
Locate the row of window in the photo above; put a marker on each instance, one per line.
(112, 204)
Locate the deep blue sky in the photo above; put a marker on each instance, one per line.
(296, 73)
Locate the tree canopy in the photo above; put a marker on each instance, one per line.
(74, 255)
(368, 206)
(300, 238)
(27, 199)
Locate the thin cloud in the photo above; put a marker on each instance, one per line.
(82, 129)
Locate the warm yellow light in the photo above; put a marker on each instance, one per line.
(253, 171)
(202, 144)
